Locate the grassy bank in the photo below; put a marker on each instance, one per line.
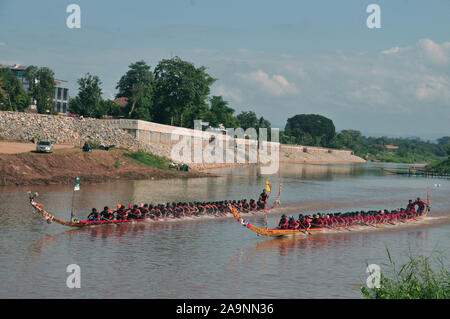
(150, 159)
(409, 158)
(420, 278)
(442, 167)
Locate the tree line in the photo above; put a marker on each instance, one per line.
(176, 93)
(317, 130)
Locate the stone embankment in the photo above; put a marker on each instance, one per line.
(61, 129)
(134, 134)
(28, 127)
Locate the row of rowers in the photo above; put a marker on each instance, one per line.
(173, 210)
(352, 218)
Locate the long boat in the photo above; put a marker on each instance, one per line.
(277, 232)
(38, 208)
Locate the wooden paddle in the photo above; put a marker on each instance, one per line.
(306, 231)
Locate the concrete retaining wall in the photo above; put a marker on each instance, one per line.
(156, 138)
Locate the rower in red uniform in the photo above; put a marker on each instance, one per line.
(411, 207)
(121, 213)
(329, 221)
(421, 205)
(316, 221)
(292, 223)
(262, 202)
(284, 222)
(301, 222)
(307, 222)
(94, 215)
(106, 214)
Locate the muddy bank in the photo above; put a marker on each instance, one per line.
(62, 166)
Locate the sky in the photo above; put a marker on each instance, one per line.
(277, 58)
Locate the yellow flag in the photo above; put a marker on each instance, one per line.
(268, 188)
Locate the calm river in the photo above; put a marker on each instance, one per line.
(216, 257)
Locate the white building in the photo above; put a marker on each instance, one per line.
(61, 99)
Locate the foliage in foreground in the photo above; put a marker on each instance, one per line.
(150, 159)
(415, 280)
(442, 167)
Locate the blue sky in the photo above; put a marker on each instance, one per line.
(278, 58)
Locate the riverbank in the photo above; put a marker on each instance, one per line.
(442, 167)
(156, 138)
(98, 166)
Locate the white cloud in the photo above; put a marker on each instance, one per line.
(374, 93)
(233, 93)
(274, 85)
(430, 88)
(391, 50)
(359, 90)
(385, 91)
(434, 52)
(425, 49)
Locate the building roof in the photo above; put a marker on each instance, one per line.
(17, 67)
(391, 147)
(122, 101)
(23, 68)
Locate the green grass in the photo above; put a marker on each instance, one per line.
(94, 144)
(392, 157)
(150, 159)
(420, 278)
(117, 163)
(442, 167)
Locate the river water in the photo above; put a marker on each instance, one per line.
(216, 257)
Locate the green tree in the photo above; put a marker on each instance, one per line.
(286, 139)
(30, 74)
(89, 100)
(3, 94)
(137, 86)
(42, 87)
(444, 140)
(350, 139)
(311, 129)
(263, 123)
(180, 92)
(247, 119)
(307, 139)
(220, 113)
(109, 107)
(12, 95)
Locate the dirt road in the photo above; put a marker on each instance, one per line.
(17, 147)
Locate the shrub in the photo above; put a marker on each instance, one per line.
(94, 144)
(415, 280)
(150, 159)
